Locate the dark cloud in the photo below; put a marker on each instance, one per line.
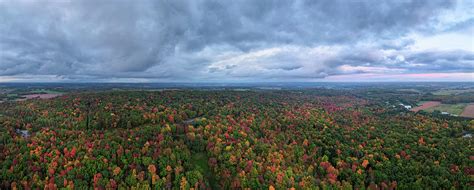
(220, 40)
(433, 61)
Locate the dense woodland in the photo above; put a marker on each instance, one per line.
(229, 140)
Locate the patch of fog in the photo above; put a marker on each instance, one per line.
(23, 133)
(405, 106)
(189, 121)
(192, 121)
(269, 88)
(466, 134)
(241, 89)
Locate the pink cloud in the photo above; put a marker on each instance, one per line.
(466, 77)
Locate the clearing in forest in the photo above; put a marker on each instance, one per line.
(426, 105)
(468, 111)
(455, 109)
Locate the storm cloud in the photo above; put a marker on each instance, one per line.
(243, 40)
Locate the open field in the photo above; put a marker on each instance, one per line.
(452, 91)
(41, 96)
(22, 94)
(461, 109)
(426, 105)
(456, 109)
(468, 111)
(409, 90)
(430, 106)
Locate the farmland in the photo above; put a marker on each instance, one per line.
(456, 109)
(426, 105)
(227, 139)
(20, 94)
(468, 111)
(452, 91)
(460, 109)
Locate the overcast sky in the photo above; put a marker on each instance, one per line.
(236, 41)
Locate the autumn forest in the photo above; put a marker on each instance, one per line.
(229, 139)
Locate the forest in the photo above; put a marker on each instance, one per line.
(227, 139)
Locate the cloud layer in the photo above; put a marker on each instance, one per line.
(244, 40)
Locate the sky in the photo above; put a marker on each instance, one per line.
(236, 41)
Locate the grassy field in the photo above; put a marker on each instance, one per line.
(409, 90)
(421, 103)
(450, 108)
(452, 92)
